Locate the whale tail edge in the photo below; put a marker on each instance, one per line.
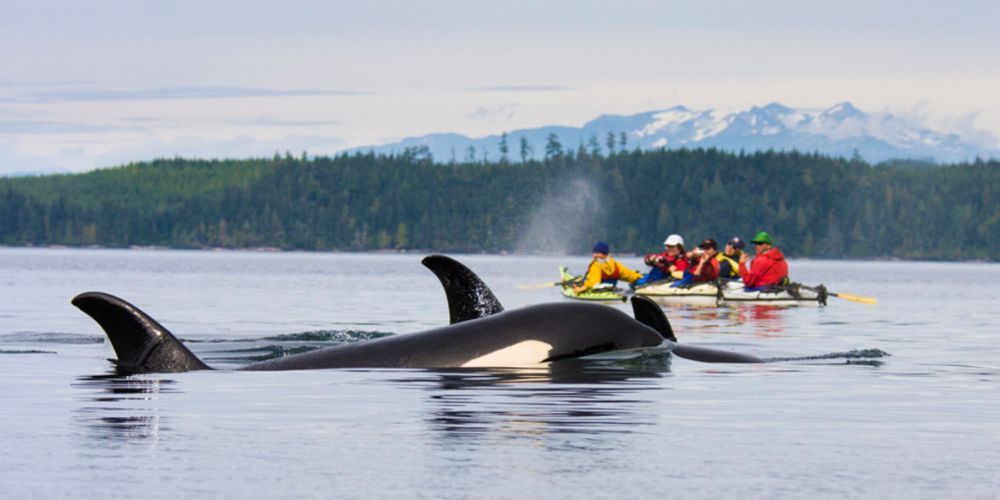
(141, 344)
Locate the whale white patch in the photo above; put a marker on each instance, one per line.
(528, 352)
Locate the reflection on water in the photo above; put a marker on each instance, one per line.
(766, 320)
(121, 409)
(568, 397)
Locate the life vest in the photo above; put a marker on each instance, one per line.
(733, 272)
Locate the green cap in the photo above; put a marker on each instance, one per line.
(762, 237)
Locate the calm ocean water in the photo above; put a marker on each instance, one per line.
(922, 421)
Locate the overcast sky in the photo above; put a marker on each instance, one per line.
(87, 84)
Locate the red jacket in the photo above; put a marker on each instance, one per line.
(709, 271)
(664, 265)
(768, 268)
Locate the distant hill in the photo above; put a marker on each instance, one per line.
(839, 131)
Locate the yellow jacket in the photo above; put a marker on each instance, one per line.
(610, 269)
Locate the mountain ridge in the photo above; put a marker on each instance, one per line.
(841, 130)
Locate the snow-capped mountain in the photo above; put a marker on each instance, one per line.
(838, 131)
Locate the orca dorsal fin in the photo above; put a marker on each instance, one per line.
(649, 313)
(468, 297)
(142, 344)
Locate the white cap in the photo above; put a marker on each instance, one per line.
(674, 239)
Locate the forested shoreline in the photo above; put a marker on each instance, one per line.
(815, 206)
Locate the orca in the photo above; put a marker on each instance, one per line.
(480, 334)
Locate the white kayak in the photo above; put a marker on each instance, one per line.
(732, 291)
(794, 293)
(665, 289)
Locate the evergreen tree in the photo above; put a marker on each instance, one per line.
(553, 148)
(503, 147)
(595, 147)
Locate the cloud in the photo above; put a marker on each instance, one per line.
(174, 93)
(520, 88)
(500, 113)
(16, 160)
(242, 146)
(26, 126)
(260, 121)
(965, 126)
(42, 83)
(269, 121)
(887, 122)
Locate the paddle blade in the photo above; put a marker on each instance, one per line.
(856, 298)
(538, 285)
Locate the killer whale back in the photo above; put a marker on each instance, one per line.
(649, 313)
(468, 297)
(142, 344)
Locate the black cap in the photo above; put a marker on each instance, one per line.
(737, 243)
(708, 243)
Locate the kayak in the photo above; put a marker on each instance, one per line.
(733, 291)
(603, 292)
(664, 289)
(794, 293)
(712, 292)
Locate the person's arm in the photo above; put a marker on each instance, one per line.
(700, 267)
(707, 270)
(653, 259)
(752, 276)
(712, 272)
(680, 265)
(592, 278)
(742, 268)
(627, 274)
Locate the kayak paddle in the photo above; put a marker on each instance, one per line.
(854, 298)
(546, 285)
(861, 299)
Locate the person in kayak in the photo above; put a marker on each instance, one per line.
(702, 264)
(768, 267)
(667, 265)
(729, 259)
(604, 269)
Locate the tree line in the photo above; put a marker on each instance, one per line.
(815, 206)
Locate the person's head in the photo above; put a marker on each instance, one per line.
(762, 242)
(734, 245)
(601, 250)
(674, 244)
(709, 246)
